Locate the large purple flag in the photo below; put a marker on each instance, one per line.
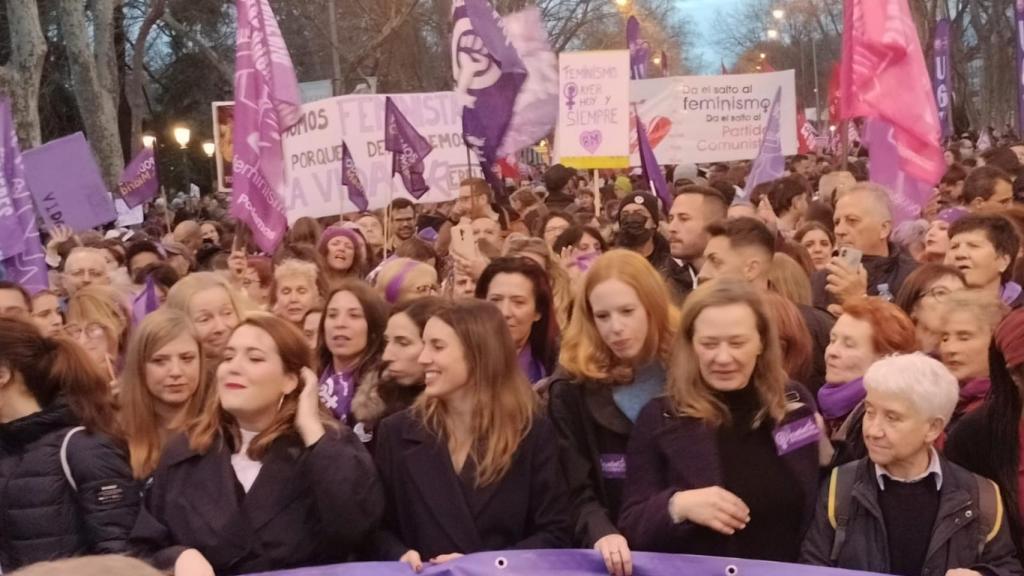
(770, 163)
(66, 184)
(906, 193)
(351, 181)
(20, 249)
(145, 302)
(139, 182)
(536, 111)
(941, 79)
(649, 164)
(266, 103)
(488, 72)
(573, 563)
(1019, 21)
(638, 50)
(408, 149)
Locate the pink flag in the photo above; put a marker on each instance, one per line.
(884, 78)
(266, 103)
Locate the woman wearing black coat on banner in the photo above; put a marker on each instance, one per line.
(471, 466)
(266, 480)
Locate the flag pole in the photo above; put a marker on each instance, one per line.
(597, 197)
(387, 214)
(844, 147)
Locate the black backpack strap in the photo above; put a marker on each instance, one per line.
(840, 492)
(990, 505)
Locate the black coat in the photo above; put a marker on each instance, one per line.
(668, 454)
(308, 506)
(889, 270)
(434, 511)
(590, 428)
(41, 516)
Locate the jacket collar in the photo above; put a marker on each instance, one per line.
(30, 428)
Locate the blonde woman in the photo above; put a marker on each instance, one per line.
(98, 319)
(163, 386)
(614, 357)
(295, 290)
(536, 249)
(212, 305)
(726, 464)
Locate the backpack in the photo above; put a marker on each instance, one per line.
(840, 493)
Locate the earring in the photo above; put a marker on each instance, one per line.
(280, 403)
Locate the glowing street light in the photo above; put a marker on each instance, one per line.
(773, 34)
(657, 60)
(182, 135)
(148, 140)
(763, 55)
(209, 148)
(621, 3)
(778, 13)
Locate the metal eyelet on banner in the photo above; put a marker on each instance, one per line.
(732, 570)
(501, 563)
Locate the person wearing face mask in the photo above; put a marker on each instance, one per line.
(968, 320)
(213, 307)
(612, 363)
(295, 290)
(869, 329)
(351, 339)
(520, 289)
(265, 479)
(639, 215)
(163, 386)
(472, 466)
(726, 463)
(984, 248)
(65, 485)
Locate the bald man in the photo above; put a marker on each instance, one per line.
(863, 221)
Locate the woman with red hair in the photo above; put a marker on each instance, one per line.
(868, 330)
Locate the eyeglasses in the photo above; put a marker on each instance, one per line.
(92, 331)
(938, 293)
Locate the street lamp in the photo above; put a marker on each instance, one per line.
(621, 3)
(778, 13)
(182, 135)
(773, 34)
(763, 55)
(209, 148)
(148, 140)
(657, 60)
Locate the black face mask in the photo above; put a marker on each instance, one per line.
(633, 231)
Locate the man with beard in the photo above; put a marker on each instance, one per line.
(403, 222)
(692, 210)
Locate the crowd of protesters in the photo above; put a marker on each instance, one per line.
(787, 375)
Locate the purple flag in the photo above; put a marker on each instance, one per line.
(906, 193)
(350, 180)
(266, 103)
(145, 302)
(489, 73)
(66, 184)
(1019, 21)
(638, 50)
(139, 182)
(941, 81)
(649, 164)
(23, 258)
(770, 163)
(408, 149)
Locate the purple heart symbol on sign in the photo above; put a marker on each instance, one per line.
(591, 140)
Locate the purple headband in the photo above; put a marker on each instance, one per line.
(951, 215)
(333, 232)
(395, 285)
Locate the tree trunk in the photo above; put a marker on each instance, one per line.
(94, 78)
(20, 78)
(135, 87)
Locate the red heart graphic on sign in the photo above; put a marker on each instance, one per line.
(657, 130)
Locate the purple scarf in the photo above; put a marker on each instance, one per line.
(533, 369)
(837, 400)
(974, 389)
(1010, 292)
(336, 392)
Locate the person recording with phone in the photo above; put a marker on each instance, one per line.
(868, 264)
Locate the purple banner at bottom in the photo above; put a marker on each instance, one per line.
(574, 563)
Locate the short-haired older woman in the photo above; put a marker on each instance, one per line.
(213, 307)
(904, 508)
(295, 290)
(725, 464)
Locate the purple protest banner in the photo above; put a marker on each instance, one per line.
(536, 109)
(408, 149)
(906, 193)
(66, 184)
(351, 181)
(941, 79)
(24, 261)
(638, 50)
(649, 165)
(145, 302)
(1019, 21)
(139, 182)
(770, 163)
(572, 563)
(266, 103)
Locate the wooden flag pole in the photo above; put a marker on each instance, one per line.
(597, 197)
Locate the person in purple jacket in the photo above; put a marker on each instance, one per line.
(726, 463)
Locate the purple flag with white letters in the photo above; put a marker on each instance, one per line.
(408, 149)
(770, 163)
(638, 50)
(649, 164)
(350, 180)
(266, 104)
(907, 194)
(941, 80)
(20, 248)
(139, 182)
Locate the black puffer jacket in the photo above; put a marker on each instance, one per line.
(41, 516)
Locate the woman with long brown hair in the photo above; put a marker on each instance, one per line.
(163, 386)
(265, 480)
(471, 466)
(65, 485)
(726, 464)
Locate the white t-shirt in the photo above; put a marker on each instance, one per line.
(246, 469)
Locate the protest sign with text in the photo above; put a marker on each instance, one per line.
(313, 152)
(693, 119)
(223, 139)
(593, 109)
(66, 184)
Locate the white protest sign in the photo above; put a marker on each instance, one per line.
(593, 109)
(696, 119)
(312, 152)
(129, 216)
